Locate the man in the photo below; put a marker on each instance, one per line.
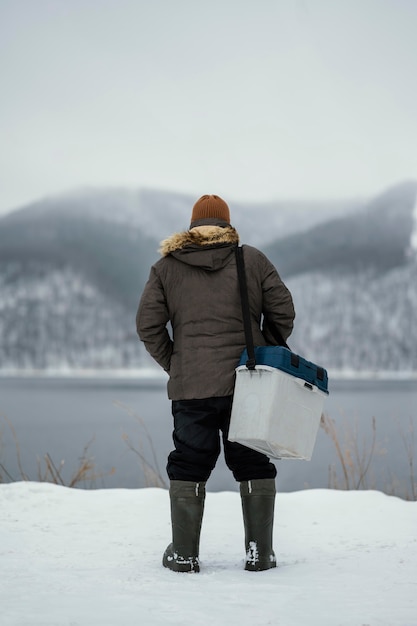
(194, 288)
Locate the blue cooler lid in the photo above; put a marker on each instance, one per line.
(291, 363)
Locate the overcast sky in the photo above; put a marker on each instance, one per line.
(250, 99)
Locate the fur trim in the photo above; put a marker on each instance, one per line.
(199, 236)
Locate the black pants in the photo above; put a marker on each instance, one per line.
(197, 428)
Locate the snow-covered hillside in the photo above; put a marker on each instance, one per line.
(56, 318)
(363, 321)
(413, 238)
(72, 270)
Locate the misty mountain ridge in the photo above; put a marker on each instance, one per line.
(72, 269)
(159, 213)
(377, 236)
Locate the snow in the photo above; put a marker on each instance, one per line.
(72, 557)
(413, 239)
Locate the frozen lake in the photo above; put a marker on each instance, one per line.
(60, 416)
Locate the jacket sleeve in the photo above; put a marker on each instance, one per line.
(152, 319)
(277, 302)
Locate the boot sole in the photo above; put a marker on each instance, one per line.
(260, 566)
(190, 566)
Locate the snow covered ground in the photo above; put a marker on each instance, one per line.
(72, 557)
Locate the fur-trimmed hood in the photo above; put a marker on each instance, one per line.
(199, 236)
(209, 247)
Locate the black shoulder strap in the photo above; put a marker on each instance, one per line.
(240, 262)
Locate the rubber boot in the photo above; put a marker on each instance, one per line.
(187, 506)
(258, 501)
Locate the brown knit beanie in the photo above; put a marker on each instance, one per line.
(210, 207)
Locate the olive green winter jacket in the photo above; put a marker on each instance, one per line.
(194, 288)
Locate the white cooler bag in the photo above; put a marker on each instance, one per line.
(275, 412)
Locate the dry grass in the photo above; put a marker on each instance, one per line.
(355, 454)
(3, 470)
(85, 473)
(356, 457)
(150, 469)
(408, 439)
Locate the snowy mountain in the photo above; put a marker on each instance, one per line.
(354, 283)
(378, 236)
(158, 213)
(72, 269)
